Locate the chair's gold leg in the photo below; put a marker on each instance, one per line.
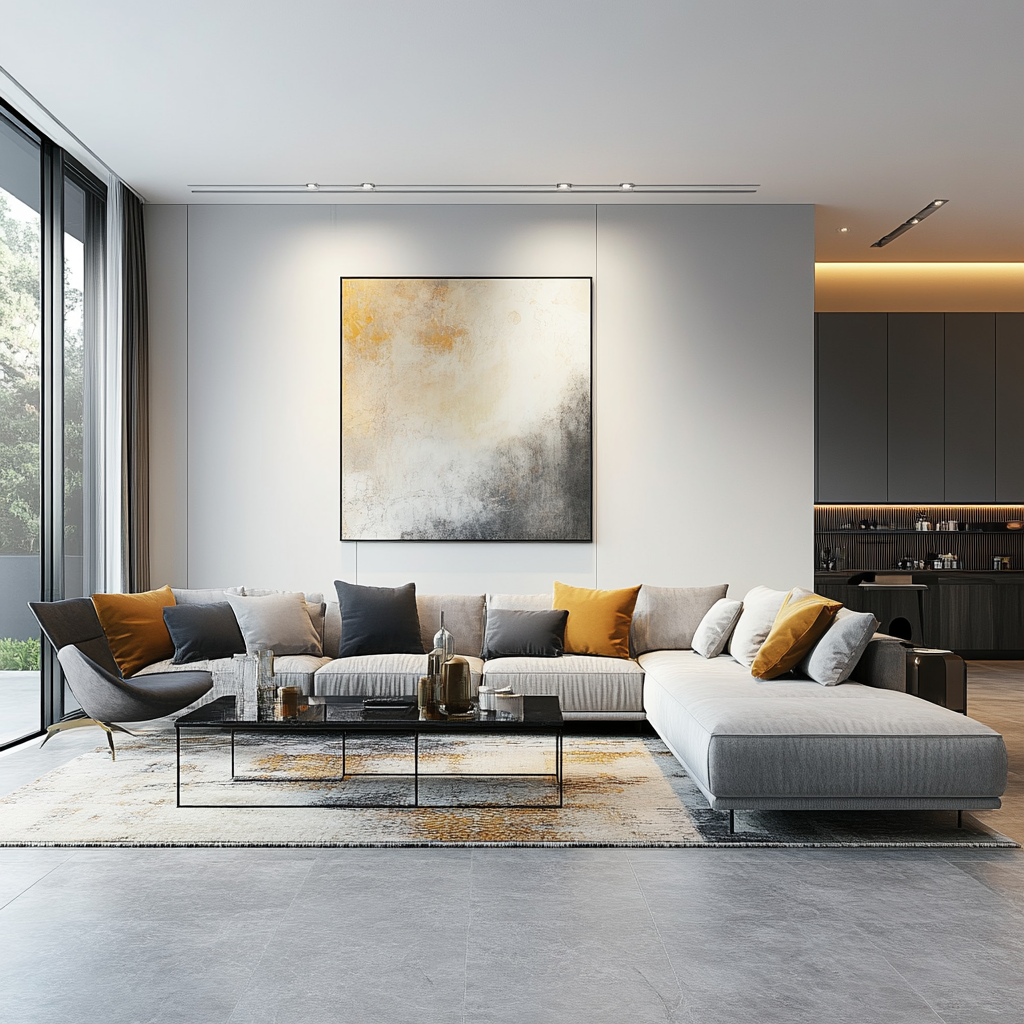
(71, 723)
(110, 739)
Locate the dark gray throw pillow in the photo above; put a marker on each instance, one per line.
(203, 631)
(378, 620)
(514, 634)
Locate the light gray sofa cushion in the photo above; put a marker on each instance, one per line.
(520, 602)
(760, 606)
(581, 682)
(378, 675)
(277, 622)
(210, 596)
(794, 743)
(463, 618)
(716, 627)
(665, 618)
(833, 658)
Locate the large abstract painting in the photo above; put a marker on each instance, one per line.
(466, 409)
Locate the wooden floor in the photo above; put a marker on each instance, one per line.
(995, 696)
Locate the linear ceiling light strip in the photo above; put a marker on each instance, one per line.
(560, 189)
(912, 222)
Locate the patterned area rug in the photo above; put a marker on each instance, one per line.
(618, 791)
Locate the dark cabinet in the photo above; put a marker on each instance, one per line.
(850, 422)
(970, 407)
(1009, 418)
(916, 427)
(919, 408)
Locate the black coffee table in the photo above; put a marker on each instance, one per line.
(346, 716)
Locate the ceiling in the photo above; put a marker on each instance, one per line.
(867, 109)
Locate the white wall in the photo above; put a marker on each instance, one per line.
(703, 390)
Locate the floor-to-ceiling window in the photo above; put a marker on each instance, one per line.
(51, 304)
(20, 401)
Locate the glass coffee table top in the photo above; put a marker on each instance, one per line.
(331, 713)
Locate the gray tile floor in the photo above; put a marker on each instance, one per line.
(308, 936)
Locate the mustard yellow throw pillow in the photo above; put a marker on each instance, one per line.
(598, 621)
(801, 622)
(134, 626)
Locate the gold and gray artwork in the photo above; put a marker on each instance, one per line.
(466, 409)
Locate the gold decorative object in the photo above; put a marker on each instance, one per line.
(456, 695)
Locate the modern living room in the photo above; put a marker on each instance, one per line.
(608, 415)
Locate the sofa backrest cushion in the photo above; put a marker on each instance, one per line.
(277, 622)
(519, 602)
(665, 618)
(760, 607)
(463, 618)
(215, 595)
(134, 627)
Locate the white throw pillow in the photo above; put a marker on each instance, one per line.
(276, 622)
(834, 657)
(714, 630)
(760, 607)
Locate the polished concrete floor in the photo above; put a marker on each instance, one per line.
(310, 936)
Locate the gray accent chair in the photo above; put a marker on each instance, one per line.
(74, 630)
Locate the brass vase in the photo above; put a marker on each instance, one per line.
(456, 696)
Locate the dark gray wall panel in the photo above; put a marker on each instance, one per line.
(970, 407)
(850, 421)
(916, 428)
(1010, 407)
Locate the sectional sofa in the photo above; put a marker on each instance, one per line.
(787, 743)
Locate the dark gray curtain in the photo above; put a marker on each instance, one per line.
(135, 340)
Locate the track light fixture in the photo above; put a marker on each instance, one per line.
(559, 187)
(908, 224)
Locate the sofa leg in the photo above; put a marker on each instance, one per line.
(959, 819)
(732, 823)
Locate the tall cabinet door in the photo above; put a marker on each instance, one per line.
(916, 467)
(970, 407)
(1010, 407)
(850, 414)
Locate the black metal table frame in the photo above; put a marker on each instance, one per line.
(254, 729)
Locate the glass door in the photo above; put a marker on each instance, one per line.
(20, 430)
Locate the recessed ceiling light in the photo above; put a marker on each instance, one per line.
(626, 186)
(312, 186)
(908, 224)
(369, 186)
(564, 185)
(842, 231)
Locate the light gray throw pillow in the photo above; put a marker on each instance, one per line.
(834, 657)
(716, 627)
(276, 622)
(665, 618)
(760, 606)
